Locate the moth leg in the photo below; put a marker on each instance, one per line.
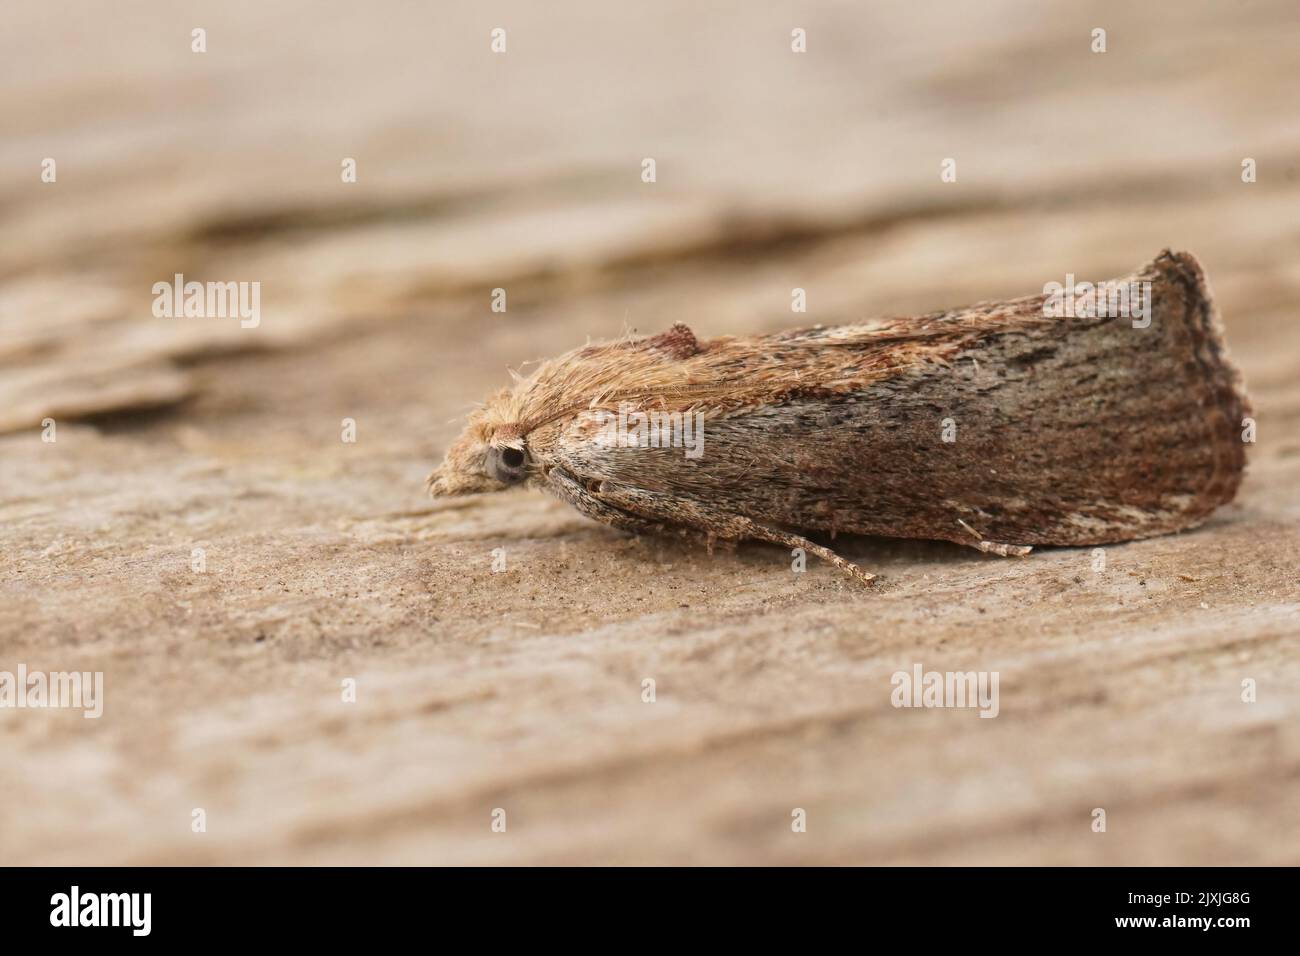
(570, 490)
(716, 524)
(777, 536)
(994, 547)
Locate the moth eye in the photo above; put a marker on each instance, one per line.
(507, 465)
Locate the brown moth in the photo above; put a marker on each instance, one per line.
(1001, 426)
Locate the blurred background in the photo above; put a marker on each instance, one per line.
(522, 170)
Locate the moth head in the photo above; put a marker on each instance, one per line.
(489, 455)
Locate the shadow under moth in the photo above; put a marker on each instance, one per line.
(1001, 426)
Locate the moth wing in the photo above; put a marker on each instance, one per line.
(1021, 430)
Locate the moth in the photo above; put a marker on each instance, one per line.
(1002, 426)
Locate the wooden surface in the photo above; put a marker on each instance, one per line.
(522, 690)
